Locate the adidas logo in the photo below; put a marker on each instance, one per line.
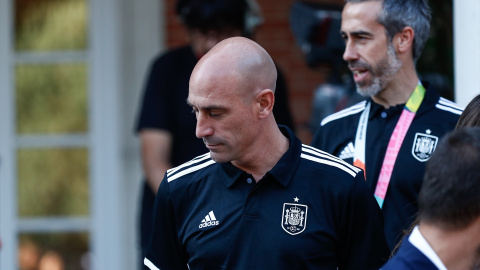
(347, 152)
(209, 220)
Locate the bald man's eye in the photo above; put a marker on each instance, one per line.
(215, 113)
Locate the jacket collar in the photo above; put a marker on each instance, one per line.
(282, 172)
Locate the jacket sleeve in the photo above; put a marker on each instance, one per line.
(363, 244)
(164, 250)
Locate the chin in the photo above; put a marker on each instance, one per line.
(369, 90)
(219, 158)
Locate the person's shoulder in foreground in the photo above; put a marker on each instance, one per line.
(409, 257)
(447, 234)
(260, 199)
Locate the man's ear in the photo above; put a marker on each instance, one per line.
(266, 99)
(404, 39)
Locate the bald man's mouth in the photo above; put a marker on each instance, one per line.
(211, 144)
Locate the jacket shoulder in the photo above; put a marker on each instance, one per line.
(352, 110)
(449, 107)
(327, 161)
(193, 167)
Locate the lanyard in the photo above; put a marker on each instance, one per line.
(394, 144)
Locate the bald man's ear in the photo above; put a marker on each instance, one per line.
(265, 100)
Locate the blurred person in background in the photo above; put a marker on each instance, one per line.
(470, 117)
(28, 255)
(395, 131)
(315, 27)
(166, 124)
(51, 260)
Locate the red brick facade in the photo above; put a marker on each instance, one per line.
(277, 38)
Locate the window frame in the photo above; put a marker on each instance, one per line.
(102, 57)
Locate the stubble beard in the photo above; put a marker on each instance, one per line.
(380, 73)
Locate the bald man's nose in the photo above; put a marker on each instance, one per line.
(203, 128)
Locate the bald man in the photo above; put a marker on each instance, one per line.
(259, 199)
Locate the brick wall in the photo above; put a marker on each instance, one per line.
(277, 38)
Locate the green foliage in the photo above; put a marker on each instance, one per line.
(50, 25)
(51, 98)
(53, 182)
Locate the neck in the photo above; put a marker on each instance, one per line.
(399, 89)
(458, 249)
(266, 152)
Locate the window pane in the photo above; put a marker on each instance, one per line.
(46, 25)
(51, 98)
(53, 182)
(54, 251)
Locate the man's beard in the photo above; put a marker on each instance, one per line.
(380, 73)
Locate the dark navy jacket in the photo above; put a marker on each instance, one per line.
(409, 257)
(311, 211)
(435, 117)
(164, 107)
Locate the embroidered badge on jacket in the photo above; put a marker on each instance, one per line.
(294, 218)
(424, 145)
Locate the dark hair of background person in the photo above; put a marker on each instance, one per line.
(471, 115)
(449, 195)
(219, 15)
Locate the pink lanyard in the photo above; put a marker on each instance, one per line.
(396, 140)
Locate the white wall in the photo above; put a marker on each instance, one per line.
(143, 37)
(466, 14)
(7, 142)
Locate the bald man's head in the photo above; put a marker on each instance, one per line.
(231, 92)
(242, 57)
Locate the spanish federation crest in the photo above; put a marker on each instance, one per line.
(424, 145)
(294, 218)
